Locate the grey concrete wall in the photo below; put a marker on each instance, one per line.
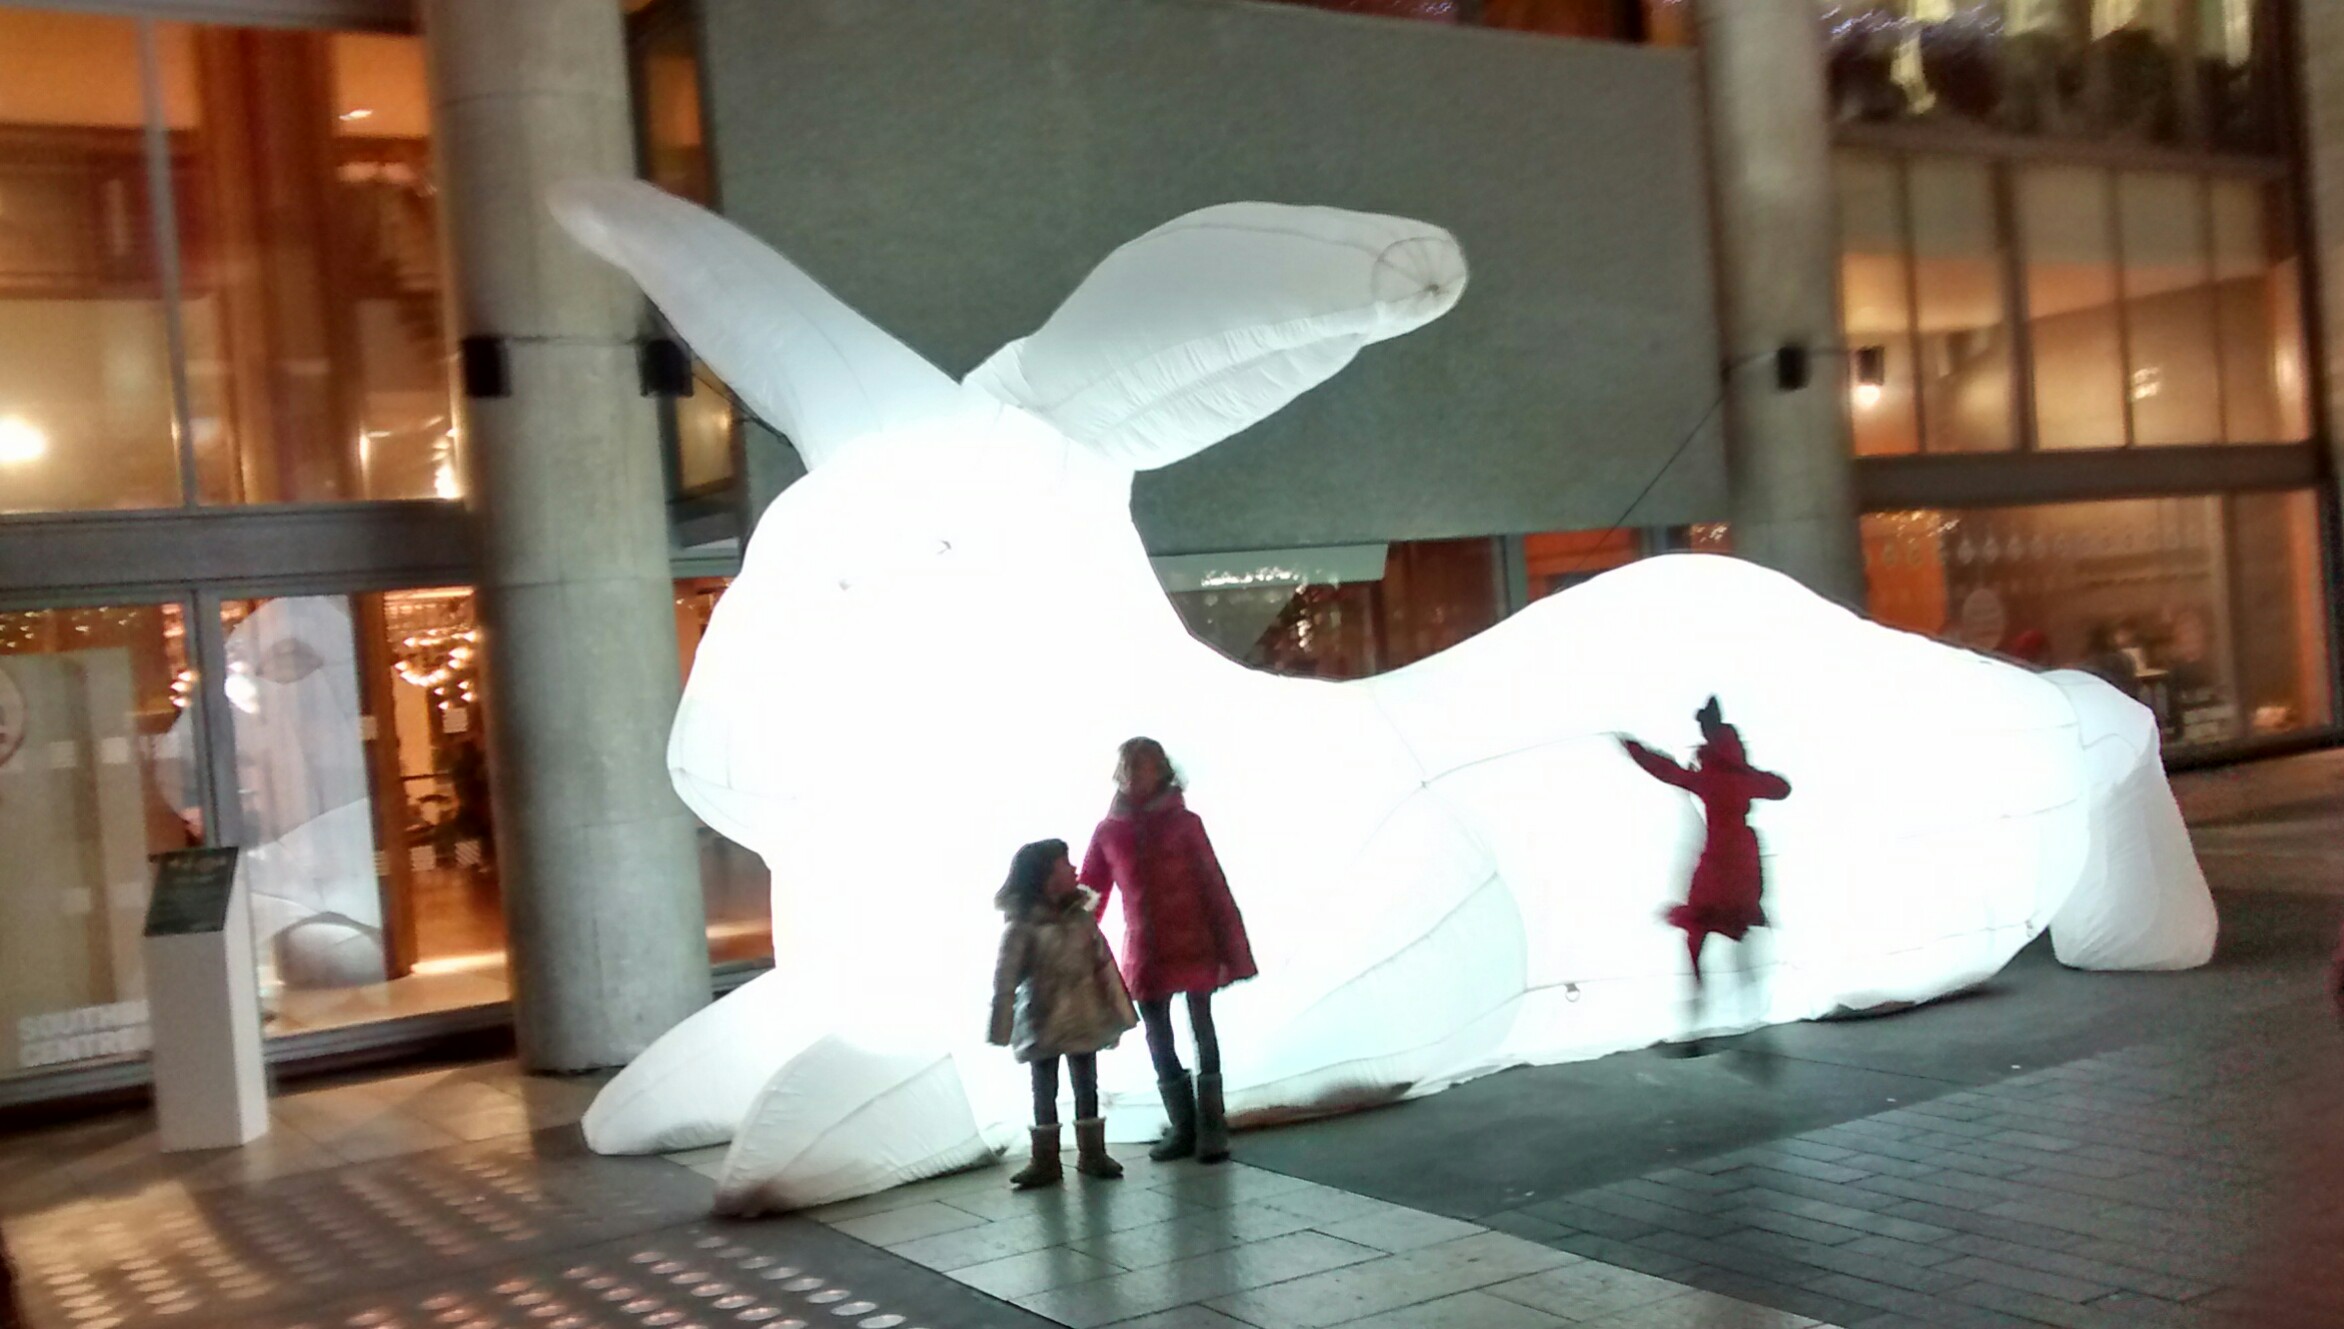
(954, 167)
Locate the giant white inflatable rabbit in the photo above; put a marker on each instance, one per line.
(940, 635)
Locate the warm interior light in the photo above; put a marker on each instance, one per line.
(1870, 376)
(21, 441)
(358, 113)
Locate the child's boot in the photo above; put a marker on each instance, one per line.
(1212, 1121)
(1090, 1149)
(1179, 1139)
(1045, 1169)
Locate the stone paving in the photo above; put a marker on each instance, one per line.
(2174, 1185)
(1180, 1246)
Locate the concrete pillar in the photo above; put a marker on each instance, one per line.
(600, 874)
(2319, 43)
(1788, 453)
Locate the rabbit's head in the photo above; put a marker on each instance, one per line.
(956, 583)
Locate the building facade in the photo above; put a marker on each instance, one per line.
(260, 586)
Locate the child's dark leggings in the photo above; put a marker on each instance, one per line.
(1083, 1069)
(1157, 1017)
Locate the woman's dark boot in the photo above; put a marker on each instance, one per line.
(1090, 1150)
(1212, 1121)
(1179, 1139)
(1045, 1169)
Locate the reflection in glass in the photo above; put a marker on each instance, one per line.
(2175, 379)
(2072, 315)
(362, 792)
(2259, 293)
(90, 786)
(1965, 348)
(2210, 611)
(2182, 72)
(1560, 560)
(317, 364)
(1341, 622)
(1876, 302)
(734, 882)
(86, 411)
(303, 790)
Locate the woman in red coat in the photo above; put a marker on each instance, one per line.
(1182, 936)
(1727, 895)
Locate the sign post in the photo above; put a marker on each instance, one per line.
(211, 1085)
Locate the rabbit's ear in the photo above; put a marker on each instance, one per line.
(813, 368)
(1216, 320)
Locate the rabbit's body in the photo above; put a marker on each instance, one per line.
(941, 634)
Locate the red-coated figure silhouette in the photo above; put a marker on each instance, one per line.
(1727, 896)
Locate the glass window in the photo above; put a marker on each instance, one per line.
(2209, 610)
(2181, 72)
(86, 407)
(1557, 18)
(2072, 314)
(420, 662)
(2280, 617)
(2175, 379)
(2258, 288)
(675, 146)
(362, 784)
(1876, 304)
(1341, 613)
(1559, 560)
(674, 150)
(316, 358)
(734, 882)
(1958, 267)
(96, 774)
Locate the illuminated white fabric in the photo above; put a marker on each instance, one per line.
(307, 812)
(940, 635)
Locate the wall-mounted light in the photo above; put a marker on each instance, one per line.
(357, 113)
(1869, 376)
(21, 441)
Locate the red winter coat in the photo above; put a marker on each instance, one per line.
(1181, 931)
(1728, 882)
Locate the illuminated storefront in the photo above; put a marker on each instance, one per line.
(243, 603)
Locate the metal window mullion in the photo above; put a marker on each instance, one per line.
(2213, 271)
(1908, 236)
(2114, 194)
(163, 214)
(1513, 575)
(223, 803)
(2004, 182)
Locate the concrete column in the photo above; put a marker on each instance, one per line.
(1788, 453)
(2319, 34)
(600, 875)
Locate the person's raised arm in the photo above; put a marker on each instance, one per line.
(1657, 766)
